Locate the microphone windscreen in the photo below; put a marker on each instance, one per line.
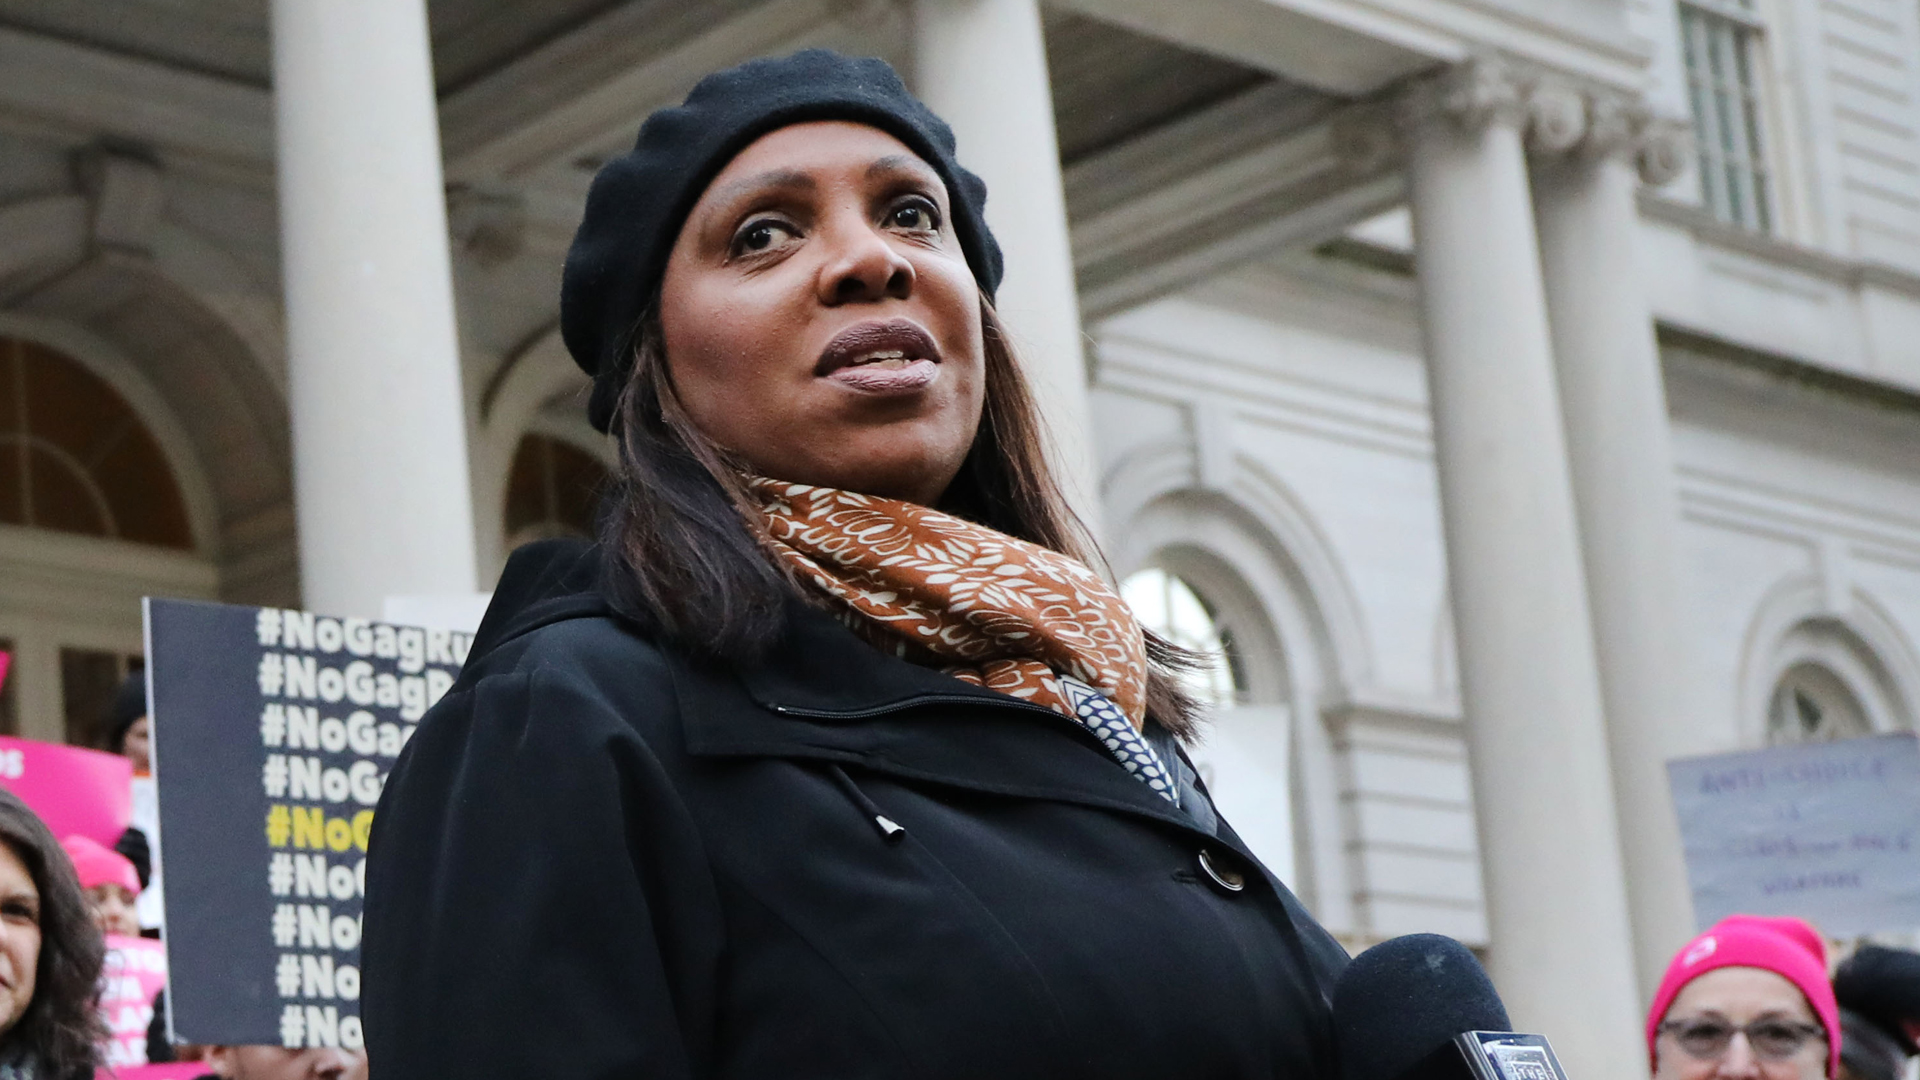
(1397, 1007)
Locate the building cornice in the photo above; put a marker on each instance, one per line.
(1852, 273)
(1357, 47)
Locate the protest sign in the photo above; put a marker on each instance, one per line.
(135, 970)
(274, 733)
(183, 1070)
(1829, 832)
(74, 790)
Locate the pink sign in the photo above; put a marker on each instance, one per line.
(179, 1070)
(6, 661)
(75, 791)
(135, 971)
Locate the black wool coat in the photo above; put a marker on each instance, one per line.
(600, 859)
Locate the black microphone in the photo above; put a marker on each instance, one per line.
(1421, 1007)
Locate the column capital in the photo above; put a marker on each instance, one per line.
(1474, 94)
(1561, 116)
(1568, 120)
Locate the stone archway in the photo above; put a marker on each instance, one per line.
(220, 397)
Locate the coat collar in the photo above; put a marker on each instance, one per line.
(824, 694)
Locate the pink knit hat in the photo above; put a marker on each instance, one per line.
(1787, 947)
(99, 865)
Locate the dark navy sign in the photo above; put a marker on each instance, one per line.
(273, 733)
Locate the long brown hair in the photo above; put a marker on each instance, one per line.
(686, 543)
(61, 1025)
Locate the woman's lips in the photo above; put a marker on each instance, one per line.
(894, 356)
(888, 376)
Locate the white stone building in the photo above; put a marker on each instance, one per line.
(1615, 462)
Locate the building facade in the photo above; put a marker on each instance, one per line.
(1519, 393)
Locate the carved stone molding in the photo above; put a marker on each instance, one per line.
(1560, 116)
(1566, 119)
(882, 16)
(1365, 138)
(488, 226)
(1557, 118)
(1484, 90)
(123, 186)
(1664, 150)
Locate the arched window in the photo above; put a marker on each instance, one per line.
(1812, 704)
(75, 458)
(1169, 607)
(553, 489)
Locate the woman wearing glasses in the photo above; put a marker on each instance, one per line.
(1747, 1000)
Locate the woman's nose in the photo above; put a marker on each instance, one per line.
(862, 266)
(1739, 1063)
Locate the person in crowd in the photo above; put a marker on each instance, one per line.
(1749, 999)
(136, 967)
(50, 956)
(275, 1063)
(128, 732)
(1878, 989)
(835, 756)
(1869, 1051)
(109, 883)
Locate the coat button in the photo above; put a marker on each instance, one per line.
(1222, 874)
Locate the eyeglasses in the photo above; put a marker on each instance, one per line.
(1771, 1040)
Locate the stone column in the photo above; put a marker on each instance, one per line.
(1590, 154)
(1561, 951)
(379, 430)
(982, 66)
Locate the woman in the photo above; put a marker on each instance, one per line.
(833, 759)
(109, 885)
(50, 956)
(1748, 999)
(135, 967)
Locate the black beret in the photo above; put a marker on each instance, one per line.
(639, 200)
(1883, 986)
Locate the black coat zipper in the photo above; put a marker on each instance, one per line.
(1077, 729)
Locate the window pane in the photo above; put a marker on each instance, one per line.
(74, 457)
(1812, 704)
(1723, 89)
(89, 679)
(1169, 607)
(553, 489)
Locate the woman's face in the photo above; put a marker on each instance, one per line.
(137, 746)
(1737, 998)
(115, 910)
(19, 938)
(821, 321)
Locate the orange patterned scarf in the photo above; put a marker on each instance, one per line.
(986, 608)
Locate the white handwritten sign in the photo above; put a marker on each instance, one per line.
(1829, 832)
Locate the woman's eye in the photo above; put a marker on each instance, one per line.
(915, 216)
(760, 236)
